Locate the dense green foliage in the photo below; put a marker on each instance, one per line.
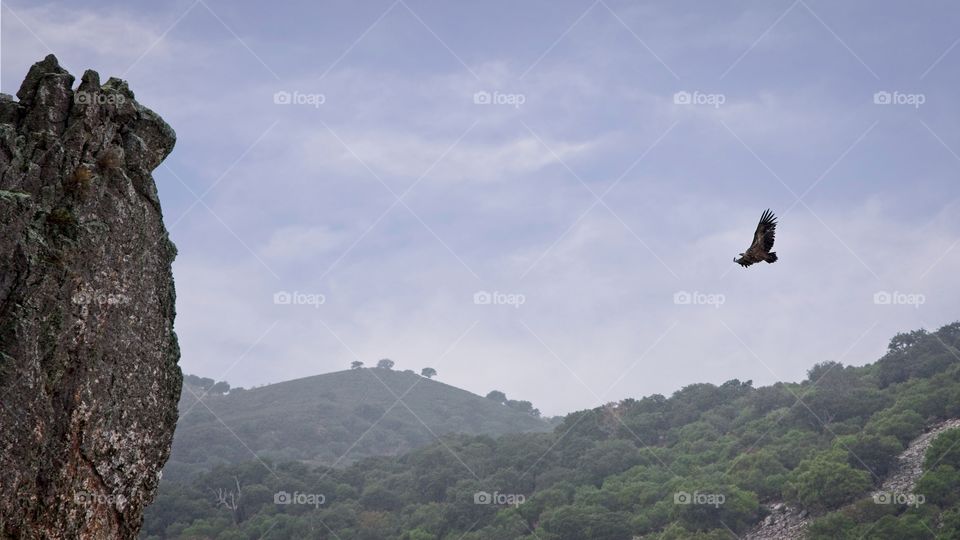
(914, 515)
(699, 464)
(318, 419)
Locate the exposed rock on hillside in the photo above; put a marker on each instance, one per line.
(89, 380)
(910, 461)
(783, 523)
(788, 523)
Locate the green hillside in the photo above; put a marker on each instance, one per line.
(709, 462)
(331, 418)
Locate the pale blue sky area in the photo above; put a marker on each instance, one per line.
(432, 150)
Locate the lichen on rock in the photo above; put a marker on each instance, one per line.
(89, 380)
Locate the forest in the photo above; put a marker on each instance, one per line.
(708, 462)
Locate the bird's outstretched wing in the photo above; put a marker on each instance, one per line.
(766, 231)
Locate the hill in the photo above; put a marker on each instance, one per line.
(709, 462)
(331, 419)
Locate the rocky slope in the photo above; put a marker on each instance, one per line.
(910, 465)
(789, 523)
(783, 523)
(89, 380)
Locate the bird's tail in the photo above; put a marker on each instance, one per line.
(772, 257)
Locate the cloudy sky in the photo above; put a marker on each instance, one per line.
(593, 167)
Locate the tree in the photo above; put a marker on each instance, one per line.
(908, 527)
(428, 372)
(825, 482)
(874, 453)
(904, 340)
(522, 406)
(917, 354)
(230, 500)
(385, 363)
(607, 458)
(356, 364)
(940, 486)
(736, 510)
(904, 425)
(760, 472)
(833, 525)
(379, 497)
(573, 522)
(835, 394)
(205, 383)
(944, 450)
(497, 396)
(221, 387)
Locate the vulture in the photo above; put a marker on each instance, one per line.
(759, 250)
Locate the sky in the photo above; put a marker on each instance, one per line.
(539, 197)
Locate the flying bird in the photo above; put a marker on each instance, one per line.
(759, 250)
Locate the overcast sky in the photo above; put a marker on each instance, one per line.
(538, 151)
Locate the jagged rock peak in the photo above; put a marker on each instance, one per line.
(89, 380)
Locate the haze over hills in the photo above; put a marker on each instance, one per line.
(847, 453)
(332, 419)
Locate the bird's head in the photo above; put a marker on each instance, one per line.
(735, 258)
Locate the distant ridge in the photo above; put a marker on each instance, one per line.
(332, 419)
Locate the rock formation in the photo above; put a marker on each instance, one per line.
(89, 380)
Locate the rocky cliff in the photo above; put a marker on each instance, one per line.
(89, 380)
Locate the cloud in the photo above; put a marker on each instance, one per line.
(110, 39)
(301, 242)
(409, 155)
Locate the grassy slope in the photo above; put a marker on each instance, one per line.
(317, 419)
